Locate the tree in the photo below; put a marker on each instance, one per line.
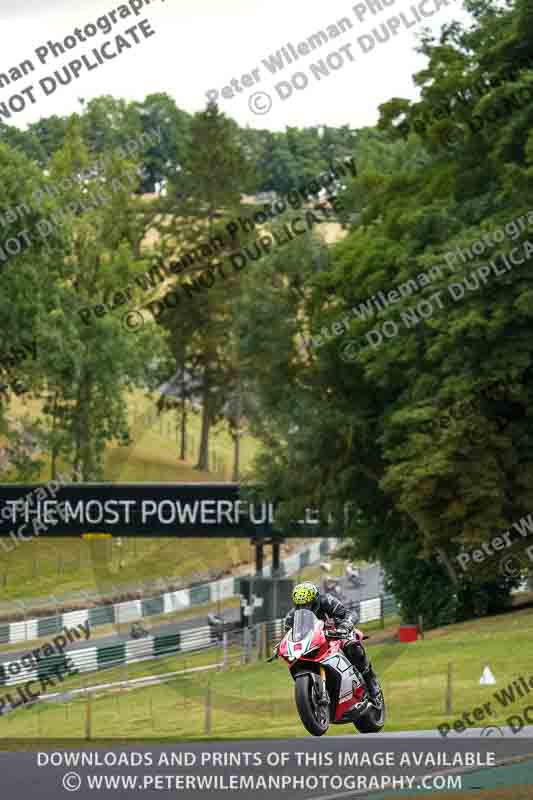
(86, 369)
(163, 160)
(108, 123)
(202, 193)
(361, 425)
(30, 251)
(28, 142)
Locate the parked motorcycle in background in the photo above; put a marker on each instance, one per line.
(328, 689)
(332, 585)
(137, 631)
(220, 626)
(354, 576)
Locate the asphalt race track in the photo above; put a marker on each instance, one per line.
(361, 761)
(372, 586)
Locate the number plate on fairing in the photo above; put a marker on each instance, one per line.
(340, 664)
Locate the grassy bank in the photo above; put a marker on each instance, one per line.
(257, 700)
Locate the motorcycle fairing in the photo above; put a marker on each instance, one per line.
(300, 648)
(304, 637)
(340, 664)
(350, 684)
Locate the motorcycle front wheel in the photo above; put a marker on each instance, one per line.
(315, 717)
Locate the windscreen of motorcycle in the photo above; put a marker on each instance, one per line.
(303, 624)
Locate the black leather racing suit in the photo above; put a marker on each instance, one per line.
(329, 607)
(326, 607)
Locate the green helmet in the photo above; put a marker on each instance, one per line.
(305, 594)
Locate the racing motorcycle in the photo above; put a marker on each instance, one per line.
(328, 689)
(356, 581)
(218, 625)
(332, 586)
(138, 632)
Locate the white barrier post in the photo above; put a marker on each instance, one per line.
(208, 710)
(224, 651)
(263, 644)
(88, 717)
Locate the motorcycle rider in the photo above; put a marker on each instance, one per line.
(353, 574)
(325, 606)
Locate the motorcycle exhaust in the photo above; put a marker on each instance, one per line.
(357, 711)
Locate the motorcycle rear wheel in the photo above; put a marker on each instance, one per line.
(372, 720)
(314, 717)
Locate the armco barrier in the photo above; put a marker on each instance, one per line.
(93, 659)
(168, 603)
(369, 610)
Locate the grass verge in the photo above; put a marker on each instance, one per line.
(256, 700)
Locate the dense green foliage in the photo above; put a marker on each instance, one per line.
(343, 421)
(366, 416)
(281, 160)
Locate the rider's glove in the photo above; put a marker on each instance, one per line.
(344, 629)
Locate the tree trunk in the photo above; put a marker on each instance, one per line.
(448, 565)
(55, 448)
(236, 457)
(441, 553)
(203, 455)
(84, 462)
(77, 434)
(183, 445)
(237, 439)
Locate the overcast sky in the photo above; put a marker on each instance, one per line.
(201, 45)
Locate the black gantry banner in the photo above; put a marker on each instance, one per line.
(145, 509)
